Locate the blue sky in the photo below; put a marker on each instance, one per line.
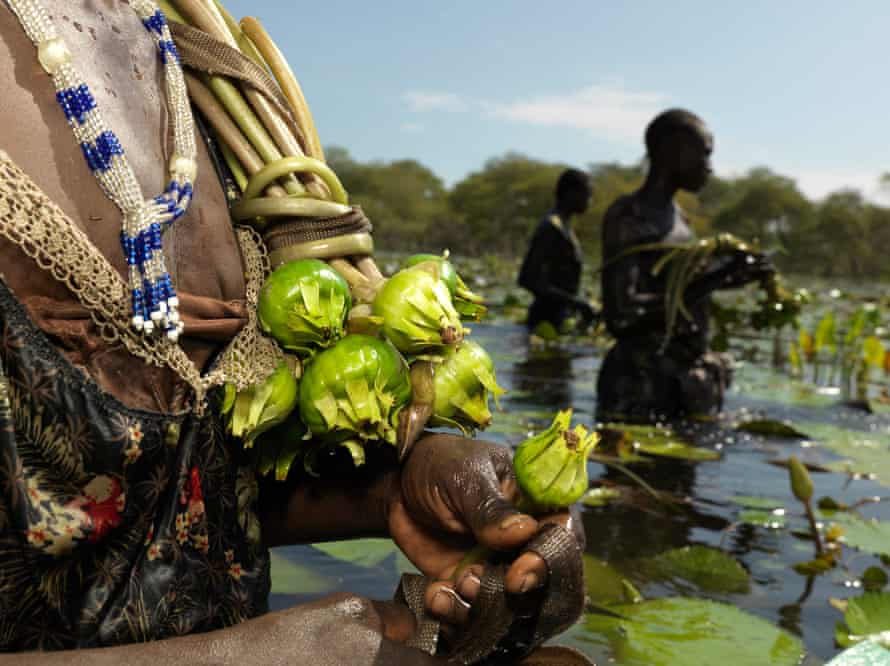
(798, 85)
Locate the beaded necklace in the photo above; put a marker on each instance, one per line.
(154, 300)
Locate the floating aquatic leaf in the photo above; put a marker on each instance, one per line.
(866, 617)
(764, 503)
(771, 428)
(871, 536)
(604, 583)
(653, 441)
(865, 452)
(290, 577)
(690, 632)
(874, 579)
(772, 520)
(360, 552)
(709, 569)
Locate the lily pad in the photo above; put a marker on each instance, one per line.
(709, 569)
(361, 552)
(764, 503)
(290, 577)
(604, 584)
(655, 441)
(864, 452)
(773, 520)
(689, 632)
(871, 536)
(771, 428)
(866, 617)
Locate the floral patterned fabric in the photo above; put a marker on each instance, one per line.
(116, 525)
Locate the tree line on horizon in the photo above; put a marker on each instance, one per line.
(494, 211)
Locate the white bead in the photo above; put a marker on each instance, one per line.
(52, 54)
(148, 328)
(138, 322)
(173, 334)
(173, 301)
(157, 316)
(183, 166)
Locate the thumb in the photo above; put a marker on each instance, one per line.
(495, 522)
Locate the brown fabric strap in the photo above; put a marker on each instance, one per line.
(564, 604)
(293, 232)
(493, 613)
(411, 592)
(205, 53)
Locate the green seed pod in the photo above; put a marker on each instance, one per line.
(303, 305)
(469, 305)
(354, 391)
(418, 315)
(551, 467)
(801, 482)
(279, 447)
(259, 408)
(463, 382)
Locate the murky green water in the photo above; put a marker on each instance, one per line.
(740, 503)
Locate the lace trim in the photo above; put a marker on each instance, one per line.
(34, 223)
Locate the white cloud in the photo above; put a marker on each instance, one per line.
(603, 111)
(422, 101)
(818, 183)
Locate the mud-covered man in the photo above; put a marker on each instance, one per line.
(642, 377)
(552, 267)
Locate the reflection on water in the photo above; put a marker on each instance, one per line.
(543, 378)
(707, 512)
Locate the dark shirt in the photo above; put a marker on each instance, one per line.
(551, 271)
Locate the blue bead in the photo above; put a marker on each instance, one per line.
(156, 22)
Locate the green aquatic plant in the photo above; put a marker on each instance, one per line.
(303, 305)
(551, 467)
(353, 393)
(463, 382)
(469, 305)
(417, 312)
(258, 408)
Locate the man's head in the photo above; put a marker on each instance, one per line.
(573, 191)
(679, 144)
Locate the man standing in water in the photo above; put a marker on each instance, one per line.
(551, 270)
(643, 377)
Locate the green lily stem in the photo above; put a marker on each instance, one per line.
(811, 517)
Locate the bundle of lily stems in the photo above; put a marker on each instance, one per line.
(276, 161)
(683, 263)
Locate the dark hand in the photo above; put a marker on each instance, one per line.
(453, 493)
(585, 310)
(746, 267)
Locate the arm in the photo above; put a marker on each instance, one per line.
(340, 629)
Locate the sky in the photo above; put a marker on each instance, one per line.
(800, 86)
